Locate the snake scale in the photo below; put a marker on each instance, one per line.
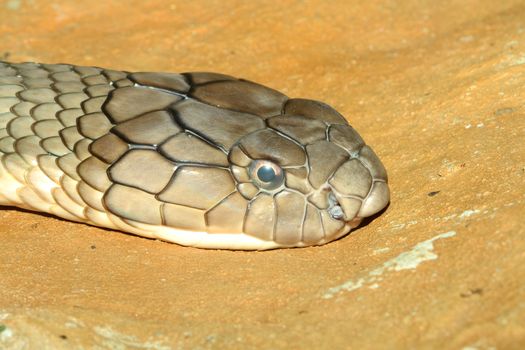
(199, 159)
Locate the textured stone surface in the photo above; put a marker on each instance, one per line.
(436, 88)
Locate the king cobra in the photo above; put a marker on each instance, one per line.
(198, 159)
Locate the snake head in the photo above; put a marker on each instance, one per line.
(308, 175)
(242, 164)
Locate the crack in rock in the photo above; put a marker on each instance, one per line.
(421, 252)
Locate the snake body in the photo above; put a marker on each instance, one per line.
(198, 159)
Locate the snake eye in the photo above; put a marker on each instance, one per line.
(266, 175)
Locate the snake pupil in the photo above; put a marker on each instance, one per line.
(266, 174)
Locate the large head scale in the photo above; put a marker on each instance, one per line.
(240, 164)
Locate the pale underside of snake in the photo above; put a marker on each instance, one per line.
(198, 159)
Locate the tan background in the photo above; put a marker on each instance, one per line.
(437, 88)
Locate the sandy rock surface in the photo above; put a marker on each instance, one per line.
(436, 88)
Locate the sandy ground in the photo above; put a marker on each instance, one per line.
(437, 88)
